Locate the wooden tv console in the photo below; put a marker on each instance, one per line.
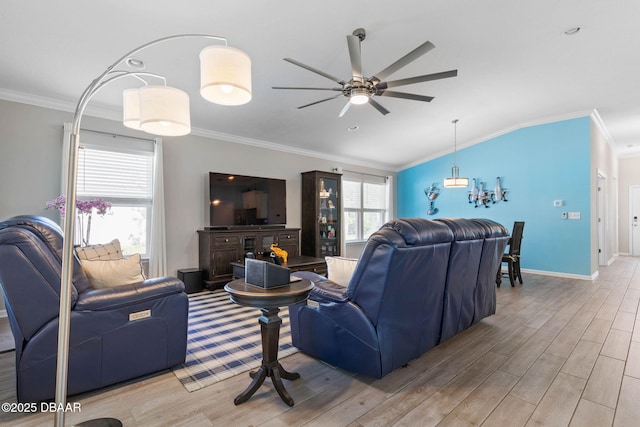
(218, 248)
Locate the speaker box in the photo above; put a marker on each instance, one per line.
(192, 279)
(265, 274)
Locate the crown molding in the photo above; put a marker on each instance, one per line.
(518, 126)
(113, 114)
(597, 120)
(285, 148)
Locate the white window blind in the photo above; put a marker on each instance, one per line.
(117, 175)
(374, 196)
(364, 198)
(351, 194)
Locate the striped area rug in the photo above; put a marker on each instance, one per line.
(224, 340)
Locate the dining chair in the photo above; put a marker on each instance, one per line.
(512, 257)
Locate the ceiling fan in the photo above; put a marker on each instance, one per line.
(360, 89)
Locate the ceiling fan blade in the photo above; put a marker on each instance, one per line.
(314, 70)
(418, 79)
(409, 57)
(355, 55)
(378, 106)
(318, 102)
(345, 109)
(403, 95)
(339, 89)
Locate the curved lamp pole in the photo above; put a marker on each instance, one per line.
(109, 75)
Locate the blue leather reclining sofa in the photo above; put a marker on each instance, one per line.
(417, 283)
(106, 345)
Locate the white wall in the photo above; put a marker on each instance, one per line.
(187, 162)
(629, 175)
(30, 153)
(605, 161)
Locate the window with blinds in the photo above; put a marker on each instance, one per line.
(120, 172)
(364, 201)
(114, 175)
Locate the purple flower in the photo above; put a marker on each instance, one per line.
(84, 207)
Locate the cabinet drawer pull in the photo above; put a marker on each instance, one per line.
(226, 240)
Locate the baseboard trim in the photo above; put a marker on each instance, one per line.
(3, 313)
(558, 274)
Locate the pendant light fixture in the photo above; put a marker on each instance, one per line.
(455, 181)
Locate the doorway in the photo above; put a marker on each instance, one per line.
(634, 226)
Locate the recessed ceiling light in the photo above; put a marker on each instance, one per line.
(572, 31)
(136, 63)
(353, 128)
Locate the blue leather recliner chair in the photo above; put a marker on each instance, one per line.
(106, 346)
(417, 283)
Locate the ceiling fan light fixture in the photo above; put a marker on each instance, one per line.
(225, 75)
(359, 96)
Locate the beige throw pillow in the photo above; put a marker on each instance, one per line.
(340, 269)
(109, 273)
(101, 252)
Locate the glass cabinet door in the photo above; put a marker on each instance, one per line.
(321, 214)
(328, 216)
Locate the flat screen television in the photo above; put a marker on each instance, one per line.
(246, 201)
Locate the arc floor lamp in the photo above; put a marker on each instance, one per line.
(225, 77)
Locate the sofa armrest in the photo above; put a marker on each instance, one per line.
(327, 290)
(126, 295)
(323, 289)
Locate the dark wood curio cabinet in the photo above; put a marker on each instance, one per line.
(321, 214)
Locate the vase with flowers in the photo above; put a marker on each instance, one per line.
(84, 210)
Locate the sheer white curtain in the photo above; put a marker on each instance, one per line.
(158, 241)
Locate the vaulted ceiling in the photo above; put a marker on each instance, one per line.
(516, 67)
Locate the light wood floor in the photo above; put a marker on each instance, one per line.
(559, 352)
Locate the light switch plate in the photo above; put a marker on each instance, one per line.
(574, 215)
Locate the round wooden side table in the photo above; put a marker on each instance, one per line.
(269, 301)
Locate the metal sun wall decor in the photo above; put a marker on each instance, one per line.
(432, 194)
(478, 196)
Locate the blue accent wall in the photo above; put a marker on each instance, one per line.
(537, 165)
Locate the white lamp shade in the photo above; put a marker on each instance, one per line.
(455, 181)
(164, 111)
(225, 75)
(131, 108)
